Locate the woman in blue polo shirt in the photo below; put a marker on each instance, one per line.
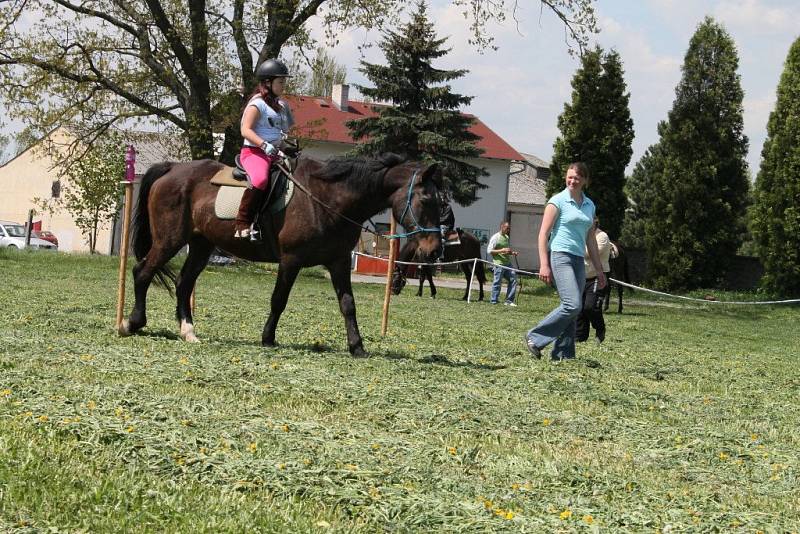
(565, 233)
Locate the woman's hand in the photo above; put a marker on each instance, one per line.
(601, 280)
(546, 275)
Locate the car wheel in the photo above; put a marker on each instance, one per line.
(13, 246)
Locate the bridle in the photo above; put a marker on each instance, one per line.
(414, 226)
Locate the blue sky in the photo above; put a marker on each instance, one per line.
(521, 88)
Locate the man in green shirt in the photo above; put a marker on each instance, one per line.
(500, 251)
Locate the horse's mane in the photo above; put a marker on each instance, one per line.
(358, 172)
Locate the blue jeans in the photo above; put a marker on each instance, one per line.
(511, 290)
(559, 326)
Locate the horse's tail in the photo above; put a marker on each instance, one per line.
(142, 238)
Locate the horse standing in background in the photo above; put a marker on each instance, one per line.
(468, 249)
(320, 226)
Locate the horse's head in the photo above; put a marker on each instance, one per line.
(415, 205)
(398, 280)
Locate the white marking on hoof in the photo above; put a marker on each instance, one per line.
(187, 332)
(124, 330)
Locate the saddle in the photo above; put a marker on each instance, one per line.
(233, 181)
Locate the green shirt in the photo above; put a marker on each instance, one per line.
(499, 241)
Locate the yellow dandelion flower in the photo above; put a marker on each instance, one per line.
(546, 422)
(184, 360)
(588, 519)
(510, 515)
(87, 357)
(488, 504)
(351, 467)
(252, 447)
(27, 414)
(180, 461)
(281, 466)
(515, 486)
(130, 429)
(185, 422)
(451, 450)
(307, 461)
(723, 456)
(375, 446)
(42, 418)
(91, 405)
(76, 419)
(753, 437)
(119, 411)
(274, 366)
(285, 428)
(566, 514)
(203, 450)
(5, 393)
(499, 512)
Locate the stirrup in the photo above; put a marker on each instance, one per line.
(250, 233)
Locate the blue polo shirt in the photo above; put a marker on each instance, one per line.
(572, 223)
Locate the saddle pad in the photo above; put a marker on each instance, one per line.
(225, 177)
(227, 203)
(228, 199)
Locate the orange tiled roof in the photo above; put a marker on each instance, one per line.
(318, 118)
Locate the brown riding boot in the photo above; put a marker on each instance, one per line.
(251, 202)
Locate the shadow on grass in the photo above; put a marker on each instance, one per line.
(438, 359)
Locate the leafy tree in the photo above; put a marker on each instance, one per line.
(423, 121)
(639, 190)
(325, 73)
(90, 192)
(694, 218)
(596, 128)
(775, 216)
(94, 64)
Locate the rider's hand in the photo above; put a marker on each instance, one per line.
(269, 149)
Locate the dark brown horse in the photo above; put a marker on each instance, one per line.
(176, 207)
(470, 248)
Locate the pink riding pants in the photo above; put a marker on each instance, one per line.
(257, 165)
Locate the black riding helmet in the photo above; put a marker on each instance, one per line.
(272, 68)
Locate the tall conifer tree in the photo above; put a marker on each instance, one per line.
(695, 222)
(423, 121)
(776, 210)
(596, 128)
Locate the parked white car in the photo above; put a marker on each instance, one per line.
(12, 235)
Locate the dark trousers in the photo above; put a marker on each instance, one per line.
(591, 313)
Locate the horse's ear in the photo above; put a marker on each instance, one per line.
(432, 172)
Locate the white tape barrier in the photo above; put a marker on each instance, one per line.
(625, 284)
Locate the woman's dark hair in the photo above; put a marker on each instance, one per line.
(581, 168)
(264, 90)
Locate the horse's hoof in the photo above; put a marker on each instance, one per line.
(187, 332)
(358, 352)
(268, 343)
(123, 330)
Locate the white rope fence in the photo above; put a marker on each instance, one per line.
(474, 262)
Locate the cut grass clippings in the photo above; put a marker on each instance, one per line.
(683, 420)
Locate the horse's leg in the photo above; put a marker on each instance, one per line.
(466, 268)
(421, 274)
(619, 296)
(200, 250)
(143, 273)
(429, 275)
(340, 278)
(287, 274)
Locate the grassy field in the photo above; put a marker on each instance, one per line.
(685, 420)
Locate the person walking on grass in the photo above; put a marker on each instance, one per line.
(501, 253)
(593, 297)
(566, 231)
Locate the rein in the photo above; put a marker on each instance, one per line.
(407, 209)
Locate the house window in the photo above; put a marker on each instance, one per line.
(55, 189)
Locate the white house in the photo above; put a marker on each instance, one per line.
(526, 201)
